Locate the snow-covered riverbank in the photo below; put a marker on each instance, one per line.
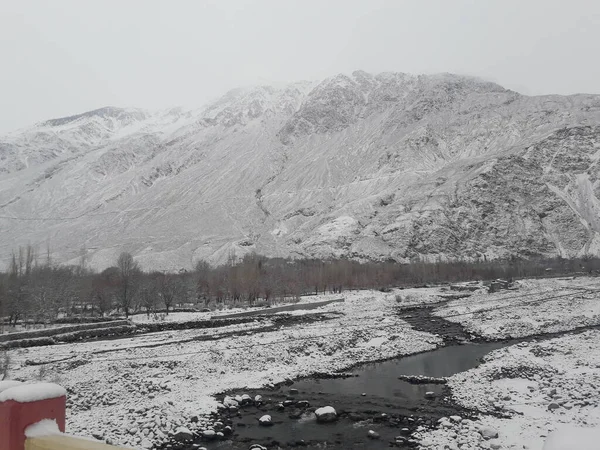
(137, 391)
(541, 386)
(536, 307)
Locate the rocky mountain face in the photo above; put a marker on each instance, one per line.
(364, 166)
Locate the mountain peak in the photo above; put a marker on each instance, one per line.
(105, 112)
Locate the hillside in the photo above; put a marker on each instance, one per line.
(366, 166)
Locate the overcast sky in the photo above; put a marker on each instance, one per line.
(62, 57)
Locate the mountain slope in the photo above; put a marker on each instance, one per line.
(366, 166)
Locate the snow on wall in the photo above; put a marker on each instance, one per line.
(25, 393)
(7, 384)
(45, 427)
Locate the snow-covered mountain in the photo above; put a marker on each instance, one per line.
(366, 166)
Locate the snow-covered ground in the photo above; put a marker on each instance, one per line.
(138, 390)
(179, 317)
(544, 386)
(537, 306)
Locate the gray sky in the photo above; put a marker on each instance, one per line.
(63, 57)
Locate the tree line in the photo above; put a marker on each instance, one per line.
(35, 289)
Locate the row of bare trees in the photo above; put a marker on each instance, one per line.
(34, 290)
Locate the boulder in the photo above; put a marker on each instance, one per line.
(183, 434)
(209, 434)
(265, 421)
(488, 433)
(373, 434)
(229, 402)
(326, 414)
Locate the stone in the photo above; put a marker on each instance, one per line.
(258, 399)
(229, 402)
(209, 434)
(326, 414)
(488, 433)
(183, 434)
(265, 421)
(293, 391)
(246, 399)
(455, 418)
(146, 443)
(552, 406)
(429, 394)
(257, 447)
(373, 434)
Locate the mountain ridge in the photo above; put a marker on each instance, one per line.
(362, 166)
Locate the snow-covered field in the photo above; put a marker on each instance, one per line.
(537, 306)
(543, 386)
(138, 390)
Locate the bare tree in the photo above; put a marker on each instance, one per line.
(170, 288)
(149, 293)
(127, 283)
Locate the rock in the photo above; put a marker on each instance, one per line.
(98, 435)
(146, 443)
(258, 399)
(488, 433)
(429, 394)
(455, 418)
(209, 434)
(246, 399)
(553, 405)
(373, 434)
(257, 447)
(326, 414)
(229, 402)
(364, 394)
(221, 406)
(227, 430)
(183, 434)
(133, 430)
(265, 421)
(293, 391)
(238, 398)
(495, 446)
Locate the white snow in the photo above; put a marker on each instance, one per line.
(25, 393)
(45, 427)
(573, 438)
(167, 377)
(538, 306)
(7, 384)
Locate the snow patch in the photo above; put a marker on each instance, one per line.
(26, 393)
(573, 438)
(7, 384)
(45, 427)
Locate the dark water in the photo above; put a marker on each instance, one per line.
(381, 379)
(384, 393)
